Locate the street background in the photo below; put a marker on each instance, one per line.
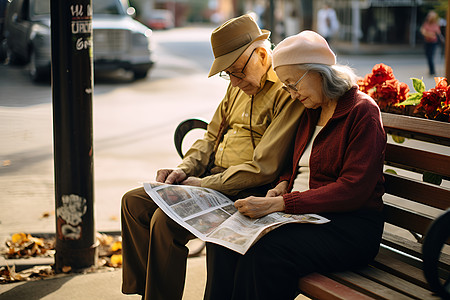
(133, 126)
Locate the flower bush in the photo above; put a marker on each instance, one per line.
(393, 96)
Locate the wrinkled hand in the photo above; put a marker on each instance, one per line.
(279, 190)
(256, 207)
(170, 176)
(194, 181)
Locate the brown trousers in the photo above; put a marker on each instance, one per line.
(153, 248)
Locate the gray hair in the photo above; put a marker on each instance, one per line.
(336, 79)
(259, 44)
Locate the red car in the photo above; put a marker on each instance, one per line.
(160, 19)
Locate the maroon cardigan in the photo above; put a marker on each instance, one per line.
(347, 157)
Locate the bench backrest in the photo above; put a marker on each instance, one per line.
(410, 202)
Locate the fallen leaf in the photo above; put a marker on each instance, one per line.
(66, 269)
(116, 246)
(116, 260)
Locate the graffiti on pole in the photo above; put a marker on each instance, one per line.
(69, 217)
(81, 26)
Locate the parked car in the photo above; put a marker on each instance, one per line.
(119, 41)
(160, 19)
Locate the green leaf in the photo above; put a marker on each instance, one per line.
(412, 99)
(390, 171)
(398, 139)
(418, 85)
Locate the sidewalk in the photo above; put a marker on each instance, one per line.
(96, 286)
(348, 48)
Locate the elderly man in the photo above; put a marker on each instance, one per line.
(241, 154)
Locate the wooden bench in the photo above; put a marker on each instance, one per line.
(414, 257)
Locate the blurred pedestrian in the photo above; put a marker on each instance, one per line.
(443, 25)
(431, 32)
(327, 22)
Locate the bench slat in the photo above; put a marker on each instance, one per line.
(417, 128)
(418, 191)
(405, 157)
(319, 286)
(406, 218)
(367, 286)
(390, 262)
(414, 249)
(396, 283)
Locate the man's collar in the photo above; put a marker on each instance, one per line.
(271, 75)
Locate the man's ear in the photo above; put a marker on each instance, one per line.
(262, 52)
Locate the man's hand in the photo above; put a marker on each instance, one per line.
(194, 181)
(279, 190)
(256, 207)
(170, 176)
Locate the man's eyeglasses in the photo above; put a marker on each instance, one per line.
(293, 87)
(240, 75)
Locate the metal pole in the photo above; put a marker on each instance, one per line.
(356, 24)
(413, 25)
(447, 46)
(72, 87)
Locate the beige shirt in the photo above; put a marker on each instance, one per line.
(274, 120)
(301, 182)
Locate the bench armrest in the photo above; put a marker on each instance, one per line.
(183, 128)
(436, 237)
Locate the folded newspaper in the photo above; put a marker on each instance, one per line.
(212, 217)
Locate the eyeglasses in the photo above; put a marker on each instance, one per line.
(240, 75)
(293, 87)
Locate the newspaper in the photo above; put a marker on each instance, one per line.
(212, 217)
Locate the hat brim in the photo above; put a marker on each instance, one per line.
(223, 62)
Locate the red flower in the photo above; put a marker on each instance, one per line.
(441, 82)
(403, 92)
(381, 73)
(382, 86)
(431, 101)
(435, 102)
(444, 90)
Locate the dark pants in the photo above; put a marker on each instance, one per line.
(430, 50)
(271, 268)
(154, 249)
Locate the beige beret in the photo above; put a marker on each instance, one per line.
(307, 47)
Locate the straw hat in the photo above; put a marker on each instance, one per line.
(307, 47)
(231, 39)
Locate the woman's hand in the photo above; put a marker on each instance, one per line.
(256, 207)
(279, 190)
(194, 181)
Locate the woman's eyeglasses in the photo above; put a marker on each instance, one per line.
(293, 87)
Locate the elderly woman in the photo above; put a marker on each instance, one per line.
(336, 171)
